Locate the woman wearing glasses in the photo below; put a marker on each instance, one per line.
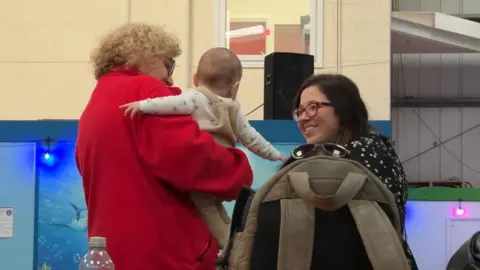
(329, 110)
(138, 174)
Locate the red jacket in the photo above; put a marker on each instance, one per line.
(137, 175)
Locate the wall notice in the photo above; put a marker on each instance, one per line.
(6, 222)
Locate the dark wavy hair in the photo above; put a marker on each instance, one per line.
(347, 104)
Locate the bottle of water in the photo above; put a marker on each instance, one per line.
(96, 257)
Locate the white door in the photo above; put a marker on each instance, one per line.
(458, 232)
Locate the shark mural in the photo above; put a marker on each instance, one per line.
(78, 223)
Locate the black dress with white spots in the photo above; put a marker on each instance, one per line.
(376, 152)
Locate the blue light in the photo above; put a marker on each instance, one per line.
(51, 157)
(48, 159)
(409, 212)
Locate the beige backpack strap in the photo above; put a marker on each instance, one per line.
(350, 186)
(297, 234)
(297, 231)
(381, 240)
(241, 255)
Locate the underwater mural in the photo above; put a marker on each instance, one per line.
(62, 214)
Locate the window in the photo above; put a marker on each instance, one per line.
(253, 29)
(255, 44)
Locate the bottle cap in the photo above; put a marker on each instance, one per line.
(97, 242)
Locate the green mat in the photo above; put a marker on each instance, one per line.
(443, 194)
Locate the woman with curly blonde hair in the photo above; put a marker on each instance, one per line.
(138, 175)
(140, 46)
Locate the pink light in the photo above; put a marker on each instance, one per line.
(459, 211)
(266, 32)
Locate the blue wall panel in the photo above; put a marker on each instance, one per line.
(17, 190)
(62, 220)
(51, 192)
(282, 131)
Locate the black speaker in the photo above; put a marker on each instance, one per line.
(284, 74)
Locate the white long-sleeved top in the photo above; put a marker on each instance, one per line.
(194, 103)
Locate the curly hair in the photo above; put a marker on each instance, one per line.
(133, 45)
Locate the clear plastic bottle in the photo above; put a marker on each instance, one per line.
(96, 257)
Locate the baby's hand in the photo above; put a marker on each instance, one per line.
(131, 108)
(283, 159)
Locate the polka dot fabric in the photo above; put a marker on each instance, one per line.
(376, 152)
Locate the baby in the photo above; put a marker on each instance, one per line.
(212, 104)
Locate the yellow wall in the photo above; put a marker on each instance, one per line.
(45, 74)
(280, 13)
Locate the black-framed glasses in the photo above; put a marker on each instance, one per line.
(170, 65)
(310, 150)
(310, 110)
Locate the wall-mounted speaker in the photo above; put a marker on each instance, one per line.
(284, 74)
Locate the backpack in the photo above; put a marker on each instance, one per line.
(278, 226)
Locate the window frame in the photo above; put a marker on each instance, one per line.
(222, 21)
